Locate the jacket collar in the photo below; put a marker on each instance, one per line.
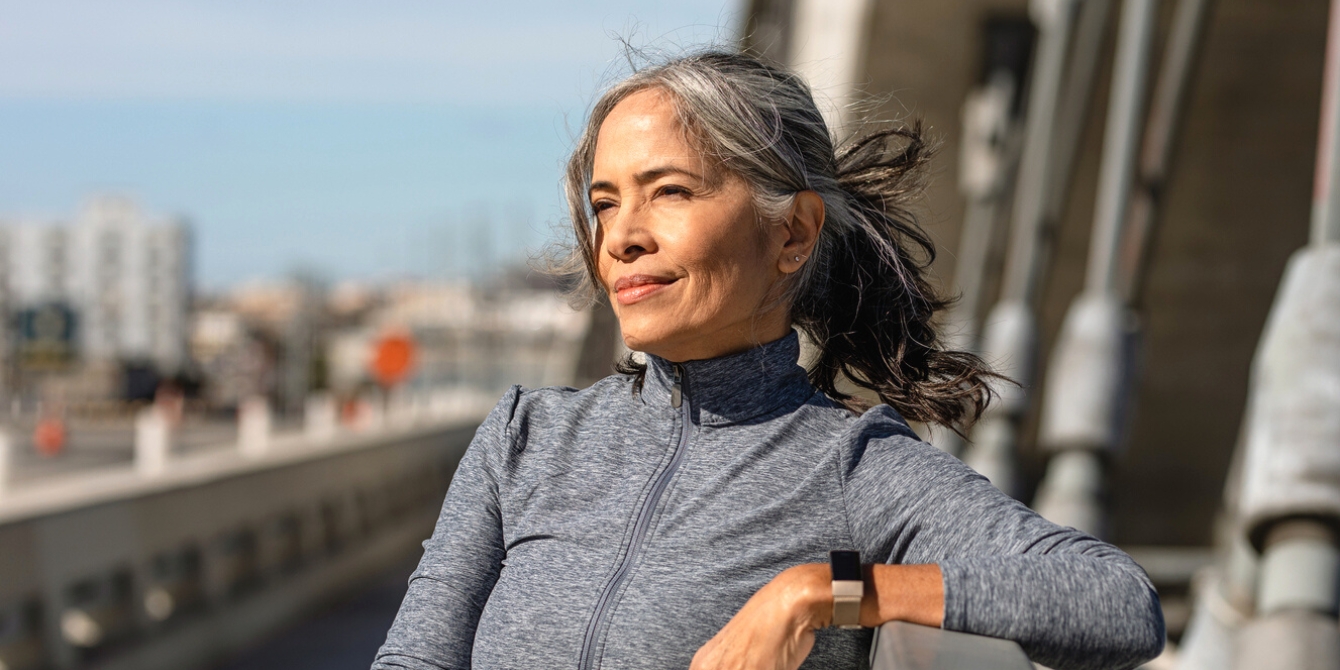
(736, 387)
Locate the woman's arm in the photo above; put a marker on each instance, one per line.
(775, 629)
(1070, 600)
(435, 627)
(962, 556)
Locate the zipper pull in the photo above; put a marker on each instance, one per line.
(676, 391)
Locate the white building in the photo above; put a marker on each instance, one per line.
(126, 275)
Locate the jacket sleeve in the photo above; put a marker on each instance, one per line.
(435, 627)
(1071, 601)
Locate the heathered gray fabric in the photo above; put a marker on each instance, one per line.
(541, 513)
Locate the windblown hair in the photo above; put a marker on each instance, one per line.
(863, 298)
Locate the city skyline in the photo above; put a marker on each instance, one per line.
(410, 140)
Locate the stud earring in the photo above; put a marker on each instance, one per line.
(797, 259)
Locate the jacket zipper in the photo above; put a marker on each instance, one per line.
(640, 527)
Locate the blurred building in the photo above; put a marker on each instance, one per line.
(484, 338)
(122, 277)
(259, 339)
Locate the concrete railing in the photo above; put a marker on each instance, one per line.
(905, 646)
(180, 561)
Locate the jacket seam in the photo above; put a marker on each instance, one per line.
(840, 472)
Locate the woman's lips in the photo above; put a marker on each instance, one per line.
(637, 287)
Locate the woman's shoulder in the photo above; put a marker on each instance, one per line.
(550, 410)
(880, 439)
(875, 423)
(559, 403)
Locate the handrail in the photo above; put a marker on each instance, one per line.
(905, 646)
(103, 485)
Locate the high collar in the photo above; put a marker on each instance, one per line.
(733, 388)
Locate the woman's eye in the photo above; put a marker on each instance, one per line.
(601, 205)
(672, 190)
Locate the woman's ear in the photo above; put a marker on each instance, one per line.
(803, 226)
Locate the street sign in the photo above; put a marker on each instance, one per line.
(392, 359)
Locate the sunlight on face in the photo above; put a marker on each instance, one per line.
(685, 263)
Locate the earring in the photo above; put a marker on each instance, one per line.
(797, 259)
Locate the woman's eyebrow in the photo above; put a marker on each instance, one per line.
(646, 177)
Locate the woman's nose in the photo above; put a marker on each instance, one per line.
(627, 235)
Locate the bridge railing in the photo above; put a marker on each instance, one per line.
(177, 564)
(905, 646)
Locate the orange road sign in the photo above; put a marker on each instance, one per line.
(392, 359)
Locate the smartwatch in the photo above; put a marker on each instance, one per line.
(848, 588)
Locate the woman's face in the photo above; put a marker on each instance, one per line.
(685, 263)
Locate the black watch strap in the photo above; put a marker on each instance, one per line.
(848, 588)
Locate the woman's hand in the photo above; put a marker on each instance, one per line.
(775, 628)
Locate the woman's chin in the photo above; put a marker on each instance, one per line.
(656, 344)
(640, 344)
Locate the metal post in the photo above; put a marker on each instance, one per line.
(1010, 337)
(1055, 19)
(1165, 114)
(1081, 415)
(1325, 211)
(961, 323)
(1071, 119)
(1291, 485)
(988, 160)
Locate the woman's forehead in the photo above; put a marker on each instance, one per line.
(644, 131)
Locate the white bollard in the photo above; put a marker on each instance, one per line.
(253, 427)
(371, 411)
(320, 416)
(153, 441)
(6, 460)
(398, 407)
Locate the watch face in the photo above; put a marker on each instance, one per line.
(846, 565)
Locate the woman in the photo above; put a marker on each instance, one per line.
(682, 512)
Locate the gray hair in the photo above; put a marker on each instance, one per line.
(863, 297)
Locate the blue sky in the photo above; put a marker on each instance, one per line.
(362, 140)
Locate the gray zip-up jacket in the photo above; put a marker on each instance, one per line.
(608, 528)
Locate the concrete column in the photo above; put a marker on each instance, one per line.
(1291, 485)
(1295, 625)
(827, 44)
(1082, 412)
(1009, 341)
